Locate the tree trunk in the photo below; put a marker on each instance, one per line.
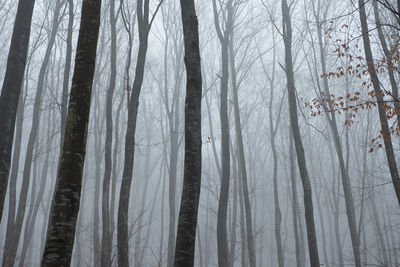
(308, 205)
(11, 245)
(379, 96)
(11, 89)
(242, 158)
(106, 243)
(222, 240)
(133, 105)
(300, 259)
(348, 195)
(65, 204)
(187, 222)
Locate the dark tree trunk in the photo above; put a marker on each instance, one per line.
(67, 71)
(65, 204)
(11, 89)
(308, 205)
(187, 222)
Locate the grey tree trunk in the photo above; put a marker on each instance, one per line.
(273, 130)
(65, 204)
(12, 190)
(308, 205)
(387, 139)
(11, 89)
(331, 118)
(11, 244)
(133, 105)
(187, 222)
(299, 246)
(242, 158)
(223, 36)
(106, 241)
(389, 58)
(37, 199)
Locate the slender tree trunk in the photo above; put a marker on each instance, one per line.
(243, 257)
(11, 89)
(222, 239)
(187, 222)
(387, 139)
(98, 150)
(389, 58)
(65, 204)
(106, 243)
(11, 245)
(242, 158)
(300, 259)
(308, 205)
(348, 195)
(33, 212)
(235, 176)
(273, 129)
(133, 105)
(139, 247)
(12, 191)
(37, 198)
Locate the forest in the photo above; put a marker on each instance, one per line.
(226, 133)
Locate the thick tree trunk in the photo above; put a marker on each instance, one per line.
(308, 205)
(187, 222)
(65, 204)
(11, 89)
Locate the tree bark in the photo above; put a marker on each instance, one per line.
(65, 204)
(187, 222)
(11, 89)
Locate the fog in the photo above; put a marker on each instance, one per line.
(299, 133)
